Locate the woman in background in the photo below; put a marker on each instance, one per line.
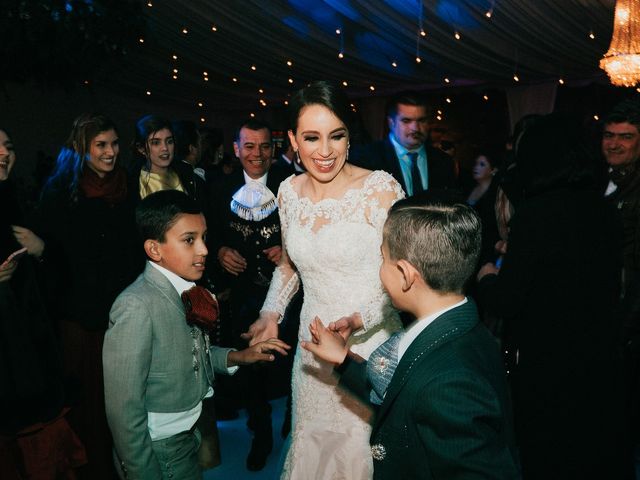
(86, 218)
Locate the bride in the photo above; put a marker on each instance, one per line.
(331, 218)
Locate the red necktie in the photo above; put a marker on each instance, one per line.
(201, 307)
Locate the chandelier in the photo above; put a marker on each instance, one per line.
(622, 60)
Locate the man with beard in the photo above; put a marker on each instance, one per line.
(244, 240)
(404, 153)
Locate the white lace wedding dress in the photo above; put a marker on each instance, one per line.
(335, 247)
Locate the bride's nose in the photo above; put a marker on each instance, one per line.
(325, 150)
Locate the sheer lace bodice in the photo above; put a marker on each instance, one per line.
(334, 246)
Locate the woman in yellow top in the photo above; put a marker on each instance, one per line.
(154, 144)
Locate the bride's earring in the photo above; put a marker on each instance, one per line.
(298, 161)
(347, 156)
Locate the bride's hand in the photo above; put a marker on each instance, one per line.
(345, 326)
(264, 328)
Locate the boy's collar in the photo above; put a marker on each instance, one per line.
(179, 283)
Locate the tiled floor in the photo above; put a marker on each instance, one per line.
(235, 441)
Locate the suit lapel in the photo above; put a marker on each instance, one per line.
(445, 328)
(393, 164)
(162, 283)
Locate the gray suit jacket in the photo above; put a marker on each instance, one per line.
(149, 367)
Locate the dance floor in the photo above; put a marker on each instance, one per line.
(235, 441)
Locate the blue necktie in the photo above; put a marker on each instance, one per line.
(416, 181)
(381, 365)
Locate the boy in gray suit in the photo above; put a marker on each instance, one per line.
(158, 366)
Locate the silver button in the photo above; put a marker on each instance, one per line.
(378, 452)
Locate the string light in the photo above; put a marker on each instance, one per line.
(149, 4)
(148, 92)
(394, 64)
(446, 80)
(485, 97)
(439, 112)
(561, 81)
(175, 77)
(516, 78)
(592, 35)
(214, 28)
(206, 79)
(252, 115)
(286, 102)
(439, 117)
(341, 55)
(260, 90)
(289, 63)
(596, 117)
(372, 88)
(290, 80)
(418, 60)
(457, 35)
(234, 79)
(200, 104)
(141, 40)
(253, 67)
(423, 33)
(345, 84)
(448, 100)
(185, 31)
(202, 119)
(338, 31)
(175, 70)
(488, 14)
(638, 89)
(206, 74)
(175, 57)
(86, 82)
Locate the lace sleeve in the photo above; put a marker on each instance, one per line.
(285, 281)
(382, 191)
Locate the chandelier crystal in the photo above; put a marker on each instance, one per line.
(622, 60)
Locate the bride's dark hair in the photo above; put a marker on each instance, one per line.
(320, 93)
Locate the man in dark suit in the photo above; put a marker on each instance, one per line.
(288, 159)
(404, 153)
(440, 383)
(244, 238)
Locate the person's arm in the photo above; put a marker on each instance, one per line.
(126, 357)
(463, 427)
(385, 191)
(284, 285)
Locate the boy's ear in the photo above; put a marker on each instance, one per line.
(152, 250)
(409, 274)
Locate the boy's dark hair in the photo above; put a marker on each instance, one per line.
(441, 241)
(160, 211)
(252, 124)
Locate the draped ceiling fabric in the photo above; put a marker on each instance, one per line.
(539, 40)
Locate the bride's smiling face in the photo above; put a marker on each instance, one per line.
(322, 141)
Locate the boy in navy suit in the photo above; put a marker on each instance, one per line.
(440, 385)
(158, 362)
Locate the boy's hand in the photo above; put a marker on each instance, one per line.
(327, 345)
(257, 353)
(345, 326)
(265, 327)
